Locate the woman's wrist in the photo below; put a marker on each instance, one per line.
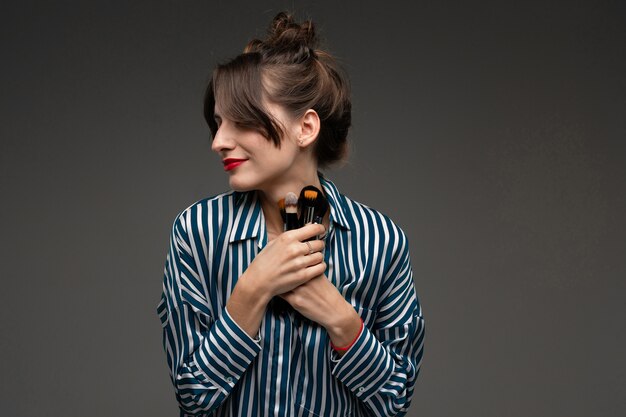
(343, 349)
(247, 307)
(254, 288)
(344, 331)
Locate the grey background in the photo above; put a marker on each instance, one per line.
(492, 132)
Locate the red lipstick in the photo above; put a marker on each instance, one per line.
(232, 163)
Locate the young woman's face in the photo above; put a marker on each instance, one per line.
(251, 161)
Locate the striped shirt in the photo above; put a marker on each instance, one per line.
(289, 368)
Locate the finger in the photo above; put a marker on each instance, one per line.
(289, 297)
(307, 231)
(312, 246)
(285, 295)
(302, 276)
(315, 270)
(312, 259)
(308, 249)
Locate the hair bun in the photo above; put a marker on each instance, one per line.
(286, 37)
(284, 30)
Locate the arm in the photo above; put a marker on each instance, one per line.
(206, 356)
(382, 366)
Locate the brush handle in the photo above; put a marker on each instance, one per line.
(308, 215)
(277, 304)
(291, 221)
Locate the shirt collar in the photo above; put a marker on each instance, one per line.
(336, 202)
(249, 221)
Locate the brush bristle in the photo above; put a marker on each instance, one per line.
(281, 208)
(310, 194)
(322, 205)
(291, 199)
(291, 203)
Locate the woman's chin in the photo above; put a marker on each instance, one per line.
(241, 186)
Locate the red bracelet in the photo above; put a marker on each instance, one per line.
(343, 349)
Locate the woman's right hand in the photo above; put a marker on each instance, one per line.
(287, 262)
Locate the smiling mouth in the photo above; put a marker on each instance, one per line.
(231, 163)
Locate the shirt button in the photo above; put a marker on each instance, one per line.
(361, 389)
(229, 379)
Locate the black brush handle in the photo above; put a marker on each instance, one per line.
(277, 304)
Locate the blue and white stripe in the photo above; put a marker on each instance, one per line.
(289, 369)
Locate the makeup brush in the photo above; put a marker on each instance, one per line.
(313, 205)
(281, 207)
(291, 211)
(321, 208)
(306, 204)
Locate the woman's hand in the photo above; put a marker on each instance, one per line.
(320, 301)
(287, 261)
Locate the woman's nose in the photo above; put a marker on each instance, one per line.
(221, 140)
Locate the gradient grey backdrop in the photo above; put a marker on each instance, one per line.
(491, 132)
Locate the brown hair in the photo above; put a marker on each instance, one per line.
(287, 69)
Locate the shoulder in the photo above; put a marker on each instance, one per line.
(371, 221)
(361, 220)
(215, 207)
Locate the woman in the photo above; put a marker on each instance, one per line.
(353, 341)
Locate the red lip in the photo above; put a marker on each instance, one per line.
(232, 163)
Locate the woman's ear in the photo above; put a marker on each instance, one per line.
(309, 128)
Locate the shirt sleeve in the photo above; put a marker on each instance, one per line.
(381, 367)
(206, 355)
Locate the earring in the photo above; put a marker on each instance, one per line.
(300, 141)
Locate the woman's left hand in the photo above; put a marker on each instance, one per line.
(320, 301)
